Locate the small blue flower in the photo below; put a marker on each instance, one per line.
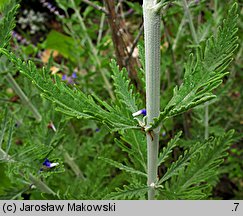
(64, 77)
(70, 79)
(48, 164)
(74, 75)
(140, 112)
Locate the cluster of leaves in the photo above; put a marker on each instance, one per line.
(73, 102)
(204, 72)
(7, 23)
(23, 164)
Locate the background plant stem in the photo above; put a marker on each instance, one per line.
(36, 181)
(93, 50)
(189, 17)
(122, 40)
(102, 21)
(152, 35)
(179, 33)
(24, 99)
(195, 38)
(70, 161)
(206, 134)
(41, 185)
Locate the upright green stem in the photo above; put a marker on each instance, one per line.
(152, 34)
(41, 185)
(102, 21)
(179, 32)
(93, 50)
(206, 133)
(4, 156)
(69, 160)
(189, 17)
(24, 99)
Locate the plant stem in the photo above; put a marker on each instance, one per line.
(189, 17)
(4, 156)
(93, 50)
(102, 21)
(206, 134)
(195, 38)
(179, 32)
(37, 182)
(134, 44)
(96, 6)
(24, 99)
(69, 160)
(152, 20)
(122, 41)
(41, 185)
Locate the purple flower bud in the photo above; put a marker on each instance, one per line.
(14, 34)
(140, 112)
(70, 80)
(74, 75)
(48, 164)
(144, 112)
(24, 41)
(64, 77)
(49, 6)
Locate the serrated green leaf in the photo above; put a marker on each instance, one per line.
(137, 147)
(168, 149)
(123, 167)
(12, 193)
(182, 162)
(123, 89)
(72, 101)
(129, 192)
(7, 24)
(190, 183)
(204, 72)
